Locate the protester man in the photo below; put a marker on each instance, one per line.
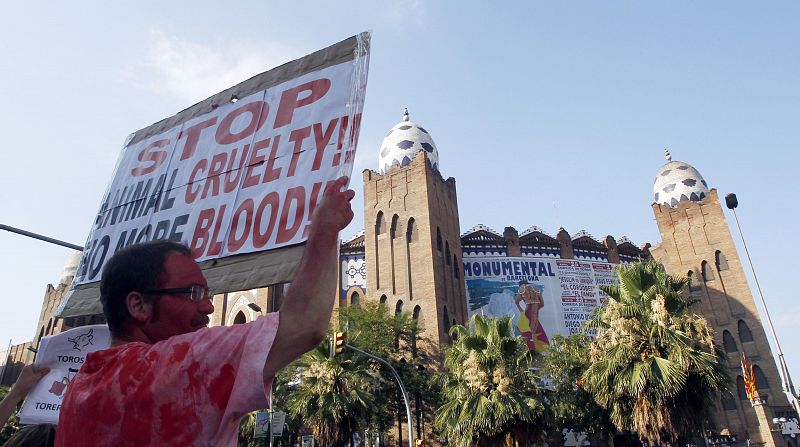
(167, 379)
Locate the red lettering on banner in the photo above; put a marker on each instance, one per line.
(203, 239)
(191, 194)
(281, 216)
(214, 173)
(290, 102)
(251, 179)
(192, 135)
(216, 245)
(246, 208)
(200, 236)
(354, 129)
(149, 155)
(285, 232)
(270, 173)
(321, 139)
(258, 111)
(232, 175)
(273, 201)
(297, 136)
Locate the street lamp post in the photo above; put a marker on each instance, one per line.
(40, 237)
(786, 380)
(399, 382)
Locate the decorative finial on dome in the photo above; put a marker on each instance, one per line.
(667, 155)
(405, 114)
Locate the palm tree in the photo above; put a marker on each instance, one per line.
(338, 396)
(334, 396)
(564, 362)
(654, 363)
(490, 393)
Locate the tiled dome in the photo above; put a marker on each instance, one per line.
(677, 181)
(403, 142)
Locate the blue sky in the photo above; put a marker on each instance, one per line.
(546, 113)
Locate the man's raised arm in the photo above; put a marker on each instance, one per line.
(306, 311)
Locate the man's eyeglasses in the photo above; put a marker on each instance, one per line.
(196, 293)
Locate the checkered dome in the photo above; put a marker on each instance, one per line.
(403, 142)
(677, 181)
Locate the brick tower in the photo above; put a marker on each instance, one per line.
(697, 242)
(411, 238)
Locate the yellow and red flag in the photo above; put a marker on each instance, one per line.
(749, 380)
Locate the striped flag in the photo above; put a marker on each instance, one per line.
(749, 380)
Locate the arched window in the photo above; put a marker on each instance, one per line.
(380, 223)
(694, 284)
(39, 339)
(722, 263)
(240, 318)
(393, 231)
(383, 299)
(411, 231)
(456, 268)
(446, 320)
(707, 271)
(760, 378)
(728, 401)
(355, 298)
(447, 252)
(417, 310)
(47, 331)
(398, 308)
(744, 332)
(740, 390)
(729, 342)
(438, 239)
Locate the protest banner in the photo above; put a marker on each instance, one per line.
(235, 177)
(64, 354)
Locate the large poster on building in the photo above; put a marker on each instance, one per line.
(543, 296)
(239, 173)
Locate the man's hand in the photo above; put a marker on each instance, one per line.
(333, 213)
(28, 378)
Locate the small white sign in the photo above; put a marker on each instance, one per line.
(64, 354)
(278, 420)
(790, 427)
(261, 427)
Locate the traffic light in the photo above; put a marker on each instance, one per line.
(419, 442)
(339, 342)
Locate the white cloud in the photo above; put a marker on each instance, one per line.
(407, 11)
(785, 318)
(192, 71)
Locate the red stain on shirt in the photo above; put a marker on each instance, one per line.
(219, 388)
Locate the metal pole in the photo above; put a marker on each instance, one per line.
(786, 379)
(402, 390)
(40, 237)
(270, 425)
